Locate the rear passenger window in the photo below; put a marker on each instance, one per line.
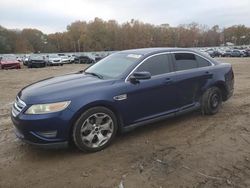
(185, 61)
(202, 62)
(159, 64)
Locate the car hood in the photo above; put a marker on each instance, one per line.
(5, 62)
(61, 88)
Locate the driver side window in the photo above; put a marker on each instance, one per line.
(156, 65)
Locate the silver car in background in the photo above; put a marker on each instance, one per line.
(64, 58)
(53, 59)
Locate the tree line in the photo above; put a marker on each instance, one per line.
(100, 35)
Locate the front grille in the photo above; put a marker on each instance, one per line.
(18, 106)
(10, 65)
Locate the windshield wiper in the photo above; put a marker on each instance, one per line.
(94, 74)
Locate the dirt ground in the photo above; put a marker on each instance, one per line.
(188, 151)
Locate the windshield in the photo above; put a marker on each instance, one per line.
(37, 57)
(114, 65)
(54, 56)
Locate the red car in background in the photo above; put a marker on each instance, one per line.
(9, 62)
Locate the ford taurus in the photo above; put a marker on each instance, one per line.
(120, 92)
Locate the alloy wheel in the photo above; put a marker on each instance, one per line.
(97, 129)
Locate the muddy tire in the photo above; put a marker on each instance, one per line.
(95, 129)
(211, 101)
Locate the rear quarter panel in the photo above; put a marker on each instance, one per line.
(222, 77)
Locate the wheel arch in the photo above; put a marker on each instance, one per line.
(222, 86)
(92, 105)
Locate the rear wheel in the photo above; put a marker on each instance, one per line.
(95, 129)
(211, 101)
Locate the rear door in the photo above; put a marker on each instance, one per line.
(192, 74)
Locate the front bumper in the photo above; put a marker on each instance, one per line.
(55, 62)
(43, 145)
(45, 130)
(38, 64)
(11, 66)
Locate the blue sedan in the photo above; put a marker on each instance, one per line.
(120, 92)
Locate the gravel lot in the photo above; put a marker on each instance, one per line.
(188, 151)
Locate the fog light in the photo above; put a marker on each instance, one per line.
(48, 134)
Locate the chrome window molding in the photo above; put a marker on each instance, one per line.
(172, 52)
(162, 53)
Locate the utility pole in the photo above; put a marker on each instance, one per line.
(74, 43)
(78, 45)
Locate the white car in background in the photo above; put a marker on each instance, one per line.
(64, 58)
(25, 59)
(72, 58)
(53, 59)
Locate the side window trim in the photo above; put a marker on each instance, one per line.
(172, 61)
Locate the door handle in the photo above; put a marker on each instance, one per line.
(168, 81)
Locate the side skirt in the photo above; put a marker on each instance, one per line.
(182, 110)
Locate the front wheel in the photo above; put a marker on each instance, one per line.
(211, 101)
(95, 129)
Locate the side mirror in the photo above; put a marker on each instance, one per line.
(137, 76)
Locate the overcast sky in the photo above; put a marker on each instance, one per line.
(54, 15)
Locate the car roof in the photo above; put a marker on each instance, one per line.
(148, 51)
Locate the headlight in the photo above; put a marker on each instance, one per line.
(47, 108)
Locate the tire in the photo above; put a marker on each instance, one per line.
(211, 101)
(89, 128)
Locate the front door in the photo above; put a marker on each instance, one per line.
(154, 97)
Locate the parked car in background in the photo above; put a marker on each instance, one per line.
(84, 59)
(238, 53)
(36, 61)
(122, 91)
(98, 57)
(214, 53)
(248, 52)
(64, 58)
(53, 59)
(204, 52)
(228, 53)
(19, 59)
(72, 58)
(221, 53)
(25, 59)
(243, 53)
(9, 62)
